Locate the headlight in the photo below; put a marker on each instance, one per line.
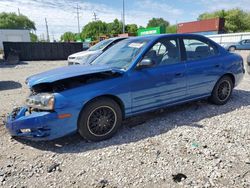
(42, 101)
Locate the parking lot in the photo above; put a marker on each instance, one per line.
(192, 145)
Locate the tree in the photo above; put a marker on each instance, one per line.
(131, 29)
(33, 37)
(68, 36)
(171, 29)
(114, 28)
(94, 30)
(158, 22)
(14, 21)
(236, 20)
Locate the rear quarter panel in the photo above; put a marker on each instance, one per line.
(233, 64)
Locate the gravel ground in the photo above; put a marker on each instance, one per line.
(192, 145)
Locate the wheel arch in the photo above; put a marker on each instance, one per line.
(231, 76)
(113, 97)
(231, 47)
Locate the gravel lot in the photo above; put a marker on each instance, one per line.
(192, 145)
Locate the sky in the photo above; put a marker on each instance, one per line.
(61, 14)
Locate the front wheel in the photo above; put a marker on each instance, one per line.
(222, 91)
(100, 119)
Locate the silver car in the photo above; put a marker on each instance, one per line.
(86, 57)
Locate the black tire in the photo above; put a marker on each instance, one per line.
(222, 91)
(100, 119)
(231, 48)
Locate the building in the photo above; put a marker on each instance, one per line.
(204, 27)
(13, 35)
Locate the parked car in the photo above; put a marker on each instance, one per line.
(248, 64)
(241, 45)
(86, 57)
(136, 75)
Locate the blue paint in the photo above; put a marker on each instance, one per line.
(139, 90)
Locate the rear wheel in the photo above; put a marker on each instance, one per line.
(222, 91)
(100, 119)
(232, 49)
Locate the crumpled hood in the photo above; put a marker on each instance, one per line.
(67, 72)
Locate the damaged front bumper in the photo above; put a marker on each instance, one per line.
(38, 126)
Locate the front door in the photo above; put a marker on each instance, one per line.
(161, 84)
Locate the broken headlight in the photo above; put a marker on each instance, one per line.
(42, 101)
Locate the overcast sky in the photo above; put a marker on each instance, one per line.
(61, 14)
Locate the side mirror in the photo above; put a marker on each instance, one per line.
(145, 63)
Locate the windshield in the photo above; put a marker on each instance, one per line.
(122, 54)
(100, 45)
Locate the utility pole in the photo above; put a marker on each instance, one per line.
(78, 22)
(95, 18)
(123, 16)
(53, 36)
(47, 30)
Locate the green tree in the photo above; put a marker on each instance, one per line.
(236, 20)
(94, 30)
(131, 29)
(171, 29)
(68, 36)
(14, 21)
(114, 28)
(33, 37)
(158, 22)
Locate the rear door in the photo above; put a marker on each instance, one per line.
(204, 66)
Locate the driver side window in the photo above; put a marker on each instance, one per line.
(164, 52)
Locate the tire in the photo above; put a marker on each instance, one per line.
(248, 64)
(231, 48)
(100, 119)
(222, 91)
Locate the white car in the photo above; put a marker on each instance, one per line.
(86, 57)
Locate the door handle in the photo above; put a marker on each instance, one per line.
(178, 74)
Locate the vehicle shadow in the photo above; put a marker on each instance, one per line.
(148, 125)
(8, 85)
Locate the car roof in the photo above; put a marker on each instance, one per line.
(160, 36)
(117, 38)
(170, 35)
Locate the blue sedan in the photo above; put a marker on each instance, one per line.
(136, 75)
(241, 45)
